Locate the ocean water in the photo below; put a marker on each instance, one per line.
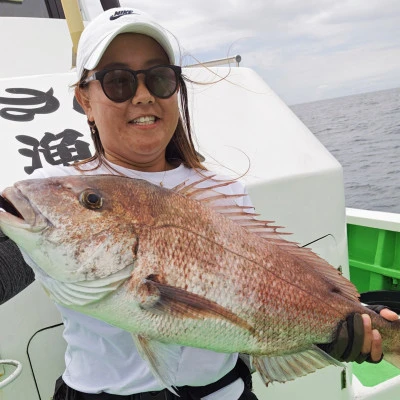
(363, 134)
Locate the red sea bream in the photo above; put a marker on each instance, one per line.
(176, 266)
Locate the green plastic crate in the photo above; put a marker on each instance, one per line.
(374, 260)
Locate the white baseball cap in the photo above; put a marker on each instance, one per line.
(100, 32)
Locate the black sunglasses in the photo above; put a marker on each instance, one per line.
(120, 84)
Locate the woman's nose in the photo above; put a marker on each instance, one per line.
(142, 95)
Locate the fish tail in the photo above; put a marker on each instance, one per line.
(390, 333)
(393, 359)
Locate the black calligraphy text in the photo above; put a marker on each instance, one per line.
(62, 148)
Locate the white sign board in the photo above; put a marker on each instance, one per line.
(40, 123)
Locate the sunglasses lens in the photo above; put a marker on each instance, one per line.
(162, 81)
(119, 85)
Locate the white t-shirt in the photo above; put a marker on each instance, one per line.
(103, 358)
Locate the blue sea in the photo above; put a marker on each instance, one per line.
(363, 133)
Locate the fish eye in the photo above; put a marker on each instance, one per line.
(89, 198)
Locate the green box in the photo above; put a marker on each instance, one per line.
(374, 260)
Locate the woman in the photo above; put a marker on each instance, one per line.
(128, 87)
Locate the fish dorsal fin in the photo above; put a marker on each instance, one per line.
(225, 203)
(245, 216)
(339, 284)
(289, 367)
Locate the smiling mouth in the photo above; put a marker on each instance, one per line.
(145, 120)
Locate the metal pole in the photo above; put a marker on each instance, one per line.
(223, 61)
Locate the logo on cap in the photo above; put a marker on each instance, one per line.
(121, 13)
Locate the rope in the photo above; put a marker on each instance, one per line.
(14, 375)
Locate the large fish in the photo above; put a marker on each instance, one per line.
(183, 266)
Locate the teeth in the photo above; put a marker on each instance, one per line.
(147, 120)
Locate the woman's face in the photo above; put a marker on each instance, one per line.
(134, 133)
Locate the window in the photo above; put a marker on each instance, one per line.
(32, 9)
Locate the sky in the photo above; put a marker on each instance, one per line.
(306, 50)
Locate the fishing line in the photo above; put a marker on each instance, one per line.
(29, 358)
(316, 240)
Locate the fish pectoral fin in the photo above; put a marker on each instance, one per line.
(155, 354)
(289, 367)
(181, 303)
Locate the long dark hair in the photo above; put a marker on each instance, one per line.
(180, 149)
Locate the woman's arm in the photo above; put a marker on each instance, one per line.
(15, 274)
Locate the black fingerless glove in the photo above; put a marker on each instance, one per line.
(349, 340)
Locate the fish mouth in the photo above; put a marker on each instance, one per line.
(8, 207)
(17, 210)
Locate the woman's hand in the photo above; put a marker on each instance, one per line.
(372, 344)
(356, 340)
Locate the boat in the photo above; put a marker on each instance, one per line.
(290, 175)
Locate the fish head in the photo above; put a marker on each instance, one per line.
(75, 227)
